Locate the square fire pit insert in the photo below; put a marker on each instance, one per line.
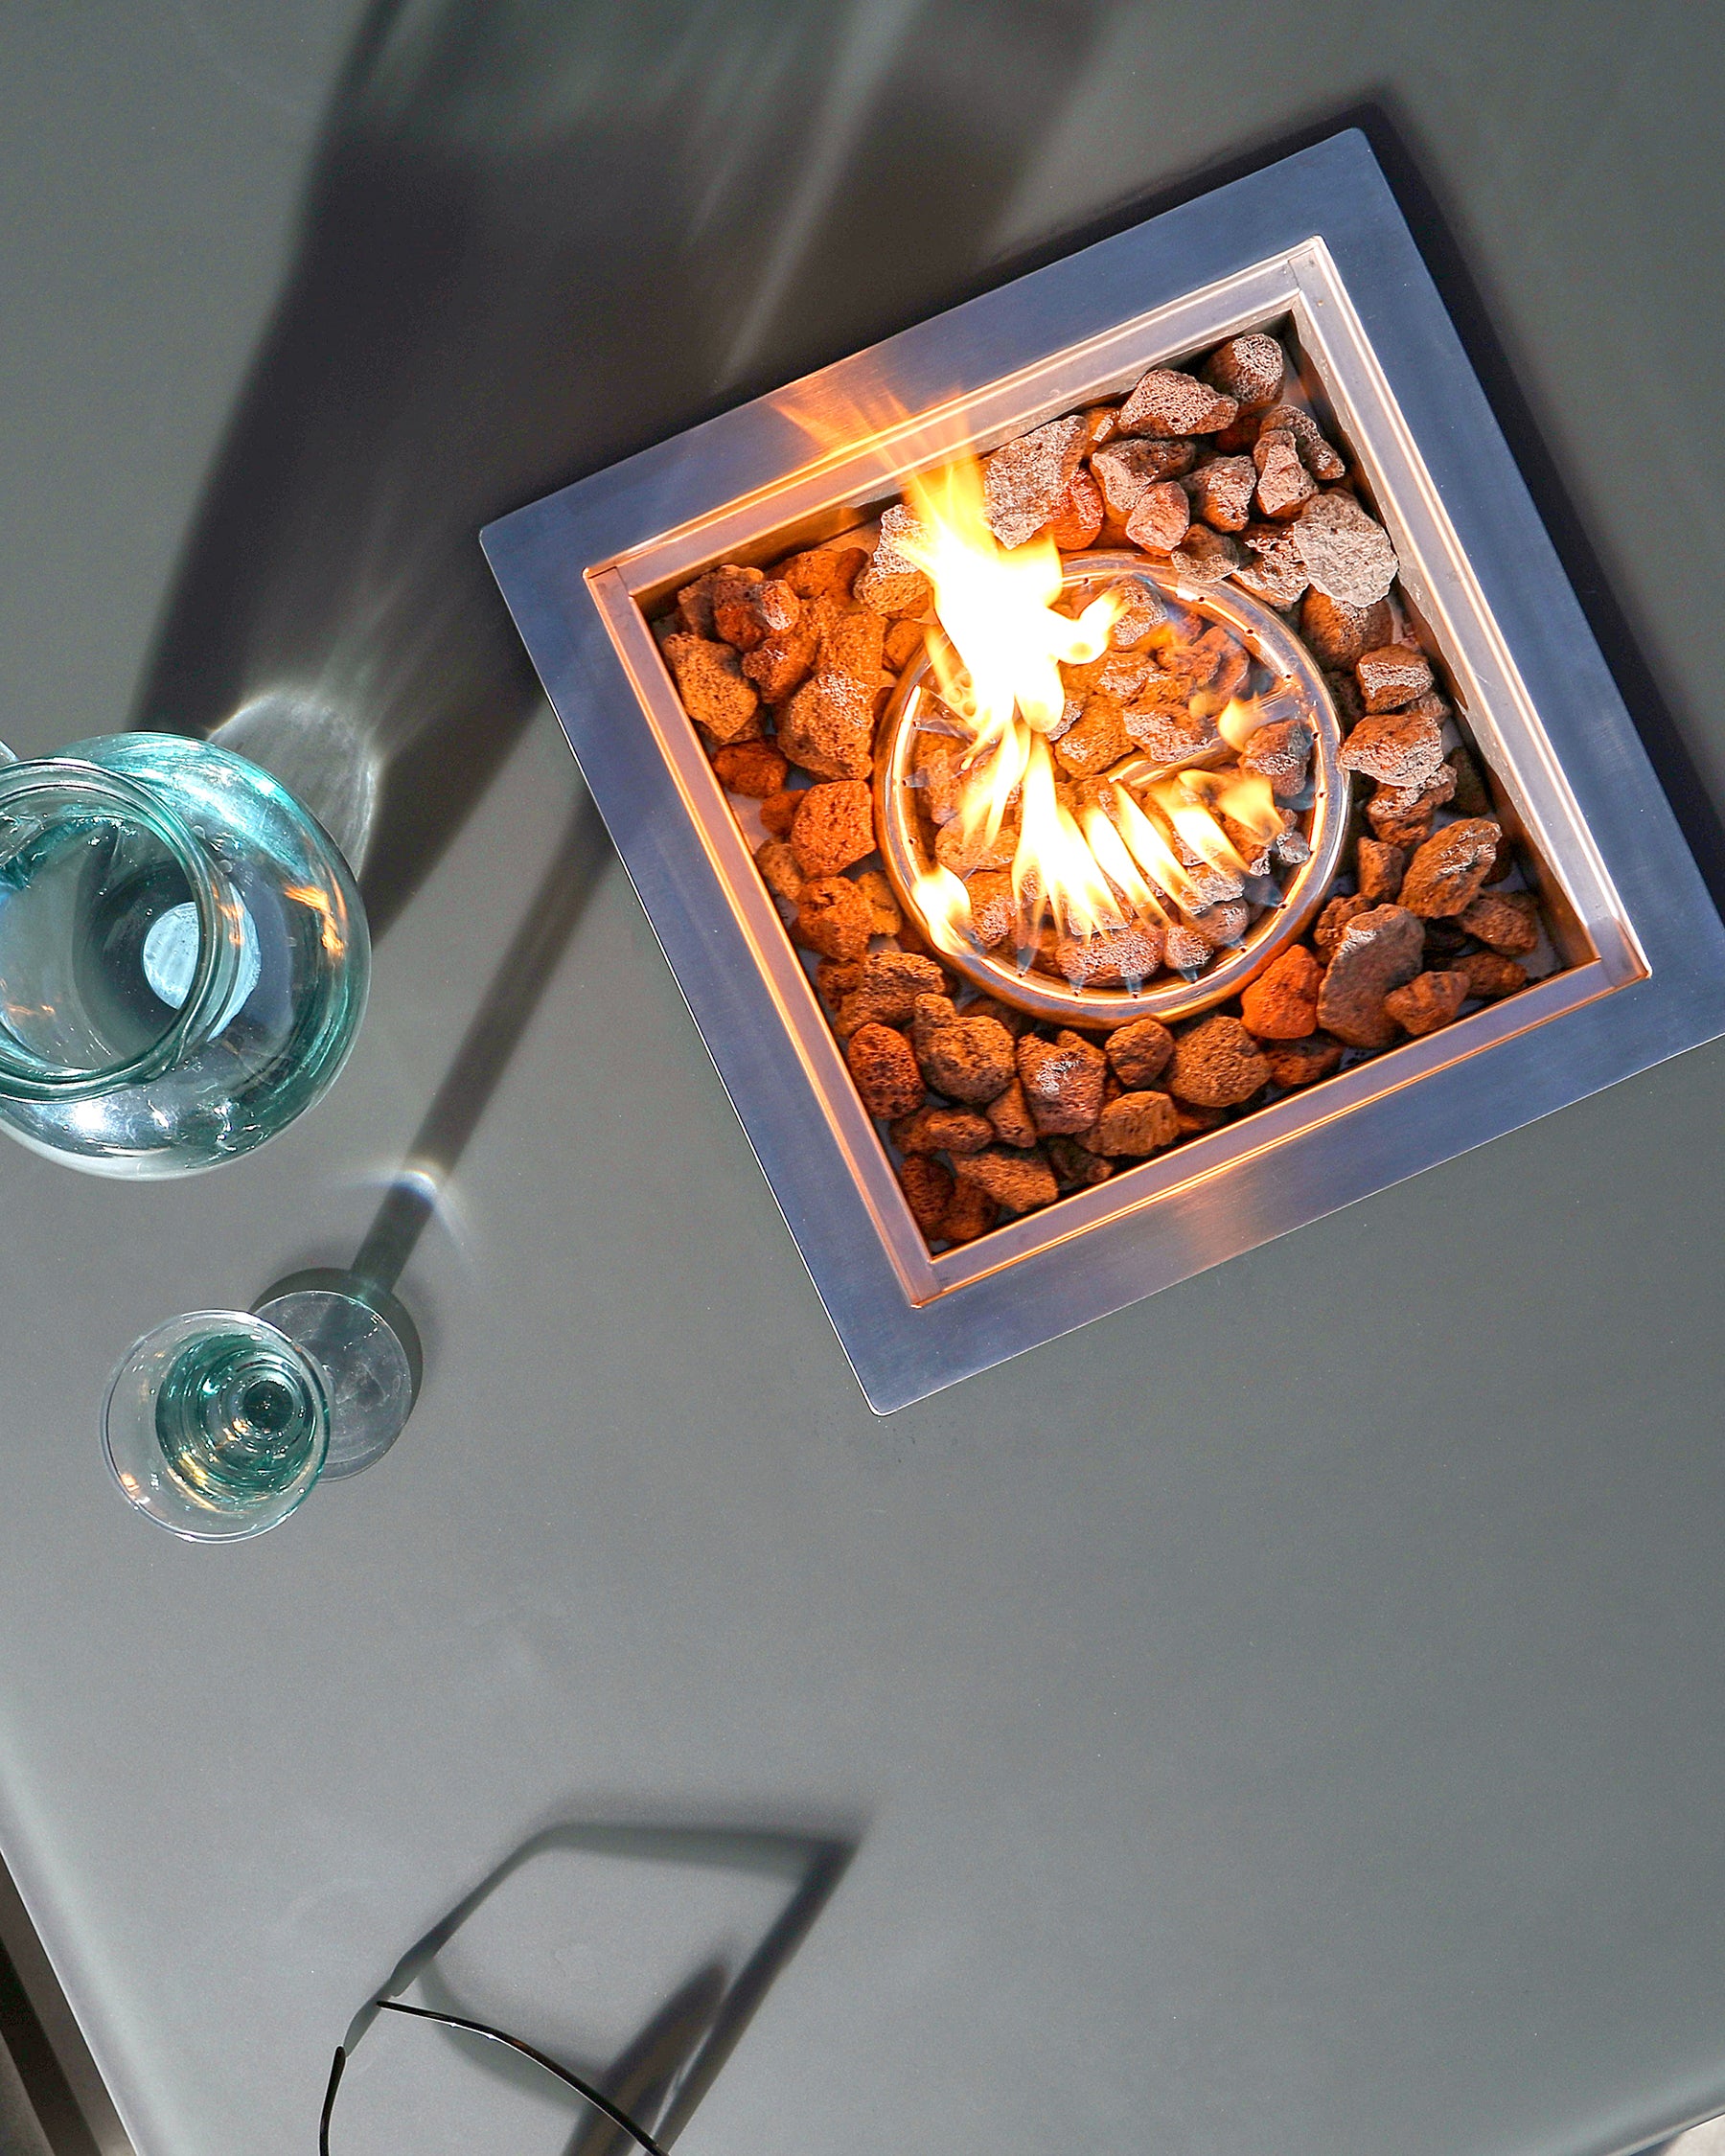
(1315, 247)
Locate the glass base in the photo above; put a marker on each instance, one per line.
(367, 1350)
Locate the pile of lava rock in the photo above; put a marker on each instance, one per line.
(1218, 472)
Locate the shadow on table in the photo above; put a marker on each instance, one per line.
(538, 235)
(658, 2077)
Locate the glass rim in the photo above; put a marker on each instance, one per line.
(239, 1525)
(219, 938)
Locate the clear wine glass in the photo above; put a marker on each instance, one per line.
(216, 1426)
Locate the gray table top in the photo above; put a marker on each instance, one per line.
(1283, 1713)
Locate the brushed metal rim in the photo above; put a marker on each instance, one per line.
(1274, 645)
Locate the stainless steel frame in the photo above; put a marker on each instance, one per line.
(1318, 242)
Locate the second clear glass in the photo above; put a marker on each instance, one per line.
(184, 958)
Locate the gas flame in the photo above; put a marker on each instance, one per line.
(1108, 859)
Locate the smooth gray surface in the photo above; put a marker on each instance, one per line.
(1287, 1713)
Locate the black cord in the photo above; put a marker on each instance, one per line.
(636, 2134)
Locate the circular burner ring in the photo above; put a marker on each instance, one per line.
(1270, 640)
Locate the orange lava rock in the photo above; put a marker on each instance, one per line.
(779, 871)
(1024, 482)
(942, 1130)
(1160, 516)
(1508, 921)
(1490, 975)
(1344, 694)
(853, 640)
(1399, 747)
(882, 1067)
(1075, 1166)
(838, 978)
(1248, 369)
(992, 907)
(1284, 485)
(1448, 871)
(1003, 1015)
(1062, 1080)
(874, 887)
(1112, 957)
(1272, 571)
(1340, 632)
(778, 811)
(1097, 739)
(927, 1188)
(709, 680)
(1346, 552)
(833, 917)
(936, 771)
(1221, 492)
(970, 1212)
(753, 769)
(782, 662)
(748, 607)
(823, 572)
(1125, 468)
(967, 1059)
(1401, 815)
(834, 827)
(828, 727)
(1076, 523)
(1217, 1065)
(964, 852)
(1139, 1052)
(1471, 798)
(1188, 951)
(1223, 924)
(1379, 870)
(1379, 950)
(1168, 403)
(1334, 920)
(887, 986)
(1136, 1125)
(1205, 557)
(1283, 753)
(1282, 1003)
(1427, 1002)
(1319, 458)
(1017, 1182)
(1392, 676)
(1141, 613)
(904, 640)
(1294, 1064)
(1009, 1114)
(695, 603)
(890, 581)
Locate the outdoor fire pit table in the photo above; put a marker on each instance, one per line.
(934, 1270)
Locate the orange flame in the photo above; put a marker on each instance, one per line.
(1094, 865)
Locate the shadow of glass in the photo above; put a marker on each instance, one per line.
(538, 235)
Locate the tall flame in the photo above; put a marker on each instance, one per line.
(1092, 866)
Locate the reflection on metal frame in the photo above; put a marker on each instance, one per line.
(1316, 245)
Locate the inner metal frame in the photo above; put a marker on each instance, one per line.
(1315, 245)
(1303, 887)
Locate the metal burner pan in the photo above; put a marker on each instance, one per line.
(1316, 246)
(1271, 642)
